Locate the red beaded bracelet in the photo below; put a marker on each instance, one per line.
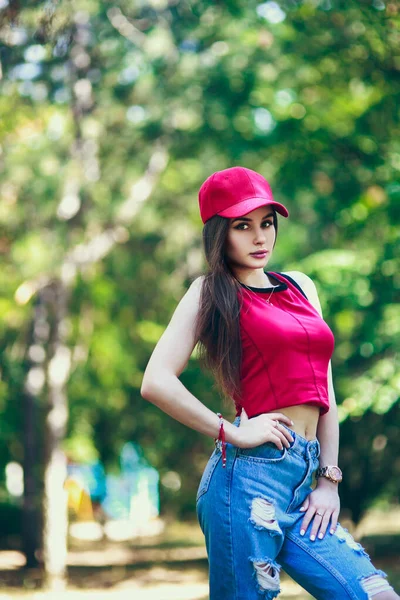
(221, 438)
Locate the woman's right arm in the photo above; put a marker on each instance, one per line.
(162, 387)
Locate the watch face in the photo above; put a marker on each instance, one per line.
(335, 473)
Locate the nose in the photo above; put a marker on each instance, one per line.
(260, 235)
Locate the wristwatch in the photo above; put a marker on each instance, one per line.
(331, 472)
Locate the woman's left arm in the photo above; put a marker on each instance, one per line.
(325, 498)
(328, 430)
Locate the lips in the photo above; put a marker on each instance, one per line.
(261, 253)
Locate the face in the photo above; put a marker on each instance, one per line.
(250, 233)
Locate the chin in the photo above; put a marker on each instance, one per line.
(259, 261)
(255, 264)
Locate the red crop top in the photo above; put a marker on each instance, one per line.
(286, 348)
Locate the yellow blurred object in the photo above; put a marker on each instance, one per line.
(79, 500)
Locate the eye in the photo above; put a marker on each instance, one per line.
(265, 223)
(240, 225)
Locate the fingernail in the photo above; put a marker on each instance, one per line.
(292, 422)
(302, 532)
(321, 535)
(302, 508)
(312, 537)
(332, 531)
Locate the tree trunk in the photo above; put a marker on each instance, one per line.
(32, 516)
(55, 496)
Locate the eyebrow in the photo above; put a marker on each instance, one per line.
(247, 219)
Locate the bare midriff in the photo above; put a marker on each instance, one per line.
(305, 418)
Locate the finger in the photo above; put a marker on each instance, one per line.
(276, 440)
(285, 432)
(305, 504)
(281, 417)
(285, 440)
(317, 520)
(277, 433)
(335, 516)
(324, 524)
(307, 519)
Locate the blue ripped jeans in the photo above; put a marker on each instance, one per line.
(249, 514)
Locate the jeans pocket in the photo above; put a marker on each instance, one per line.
(208, 473)
(267, 452)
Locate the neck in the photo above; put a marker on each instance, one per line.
(256, 279)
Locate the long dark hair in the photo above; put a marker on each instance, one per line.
(217, 324)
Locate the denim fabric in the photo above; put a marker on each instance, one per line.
(249, 514)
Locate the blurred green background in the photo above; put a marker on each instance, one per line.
(112, 115)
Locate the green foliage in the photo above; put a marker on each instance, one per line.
(113, 115)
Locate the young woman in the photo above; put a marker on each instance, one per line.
(268, 497)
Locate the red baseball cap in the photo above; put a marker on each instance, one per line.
(234, 192)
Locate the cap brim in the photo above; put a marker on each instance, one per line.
(243, 208)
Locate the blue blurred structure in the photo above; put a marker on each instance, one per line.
(134, 494)
(92, 477)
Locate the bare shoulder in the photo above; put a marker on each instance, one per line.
(178, 340)
(188, 306)
(308, 285)
(193, 293)
(197, 283)
(302, 279)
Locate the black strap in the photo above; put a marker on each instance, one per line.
(293, 281)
